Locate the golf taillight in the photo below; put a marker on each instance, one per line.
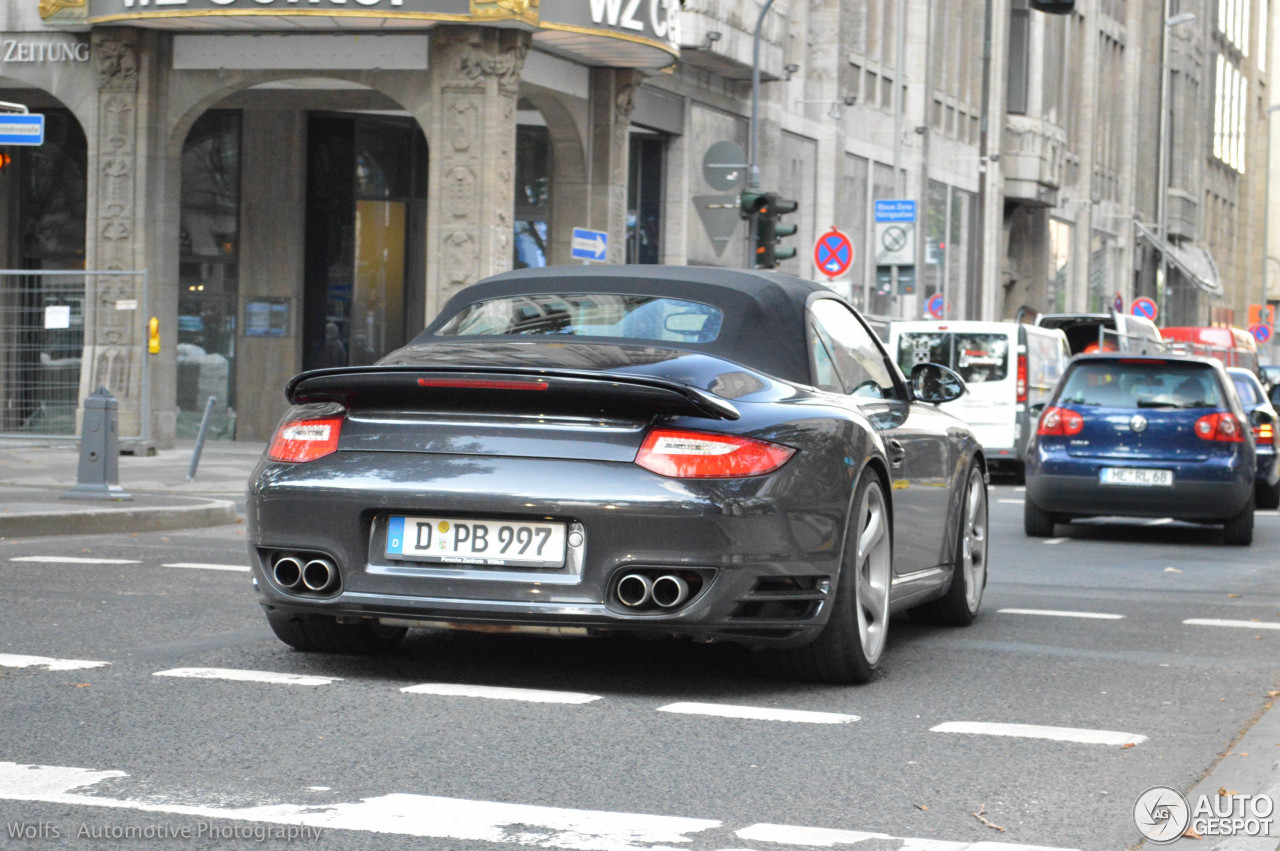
(305, 440)
(1061, 422)
(1022, 379)
(699, 455)
(1222, 426)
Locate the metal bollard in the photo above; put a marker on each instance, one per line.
(204, 429)
(99, 450)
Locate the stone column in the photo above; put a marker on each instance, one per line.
(613, 97)
(115, 341)
(475, 76)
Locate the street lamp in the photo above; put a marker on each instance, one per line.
(1166, 149)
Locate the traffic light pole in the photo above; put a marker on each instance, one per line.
(753, 160)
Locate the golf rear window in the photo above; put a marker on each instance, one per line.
(615, 315)
(1141, 384)
(976, 357)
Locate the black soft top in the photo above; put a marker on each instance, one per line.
(764, 312)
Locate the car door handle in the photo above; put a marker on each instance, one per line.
(897, 454)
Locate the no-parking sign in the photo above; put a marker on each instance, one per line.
(833, 253)
(1144, 307)
(936, 305)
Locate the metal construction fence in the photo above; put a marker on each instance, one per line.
(64, 333)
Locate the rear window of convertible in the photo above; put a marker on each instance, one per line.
(1137, 384)
(632, 317)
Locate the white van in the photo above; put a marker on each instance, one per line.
(1007, 367)
(1106, 332)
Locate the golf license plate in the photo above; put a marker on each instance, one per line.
(1139, 477)
(459, 540)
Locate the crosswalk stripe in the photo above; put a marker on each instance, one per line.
(1036, 731)
(1236, 624)
(241, 568)
(452, 819)
(821, 837)
(247, 676)
(500, 693)
(74, 560)
(8, 660)
(758, 713)
(1054, 613)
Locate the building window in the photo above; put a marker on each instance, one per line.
(1019, 55)
(1230, 97)
(533, 172)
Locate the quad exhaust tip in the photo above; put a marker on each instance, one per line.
(634, 590)
(319, 574)
(287, 572)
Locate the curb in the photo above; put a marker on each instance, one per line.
(31, 524)
(1252, 766)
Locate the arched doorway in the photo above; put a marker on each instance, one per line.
(302, 243)
(43, 195)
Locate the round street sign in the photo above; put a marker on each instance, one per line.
(935, 305)
(1261, 333)
(833, 253)
(1118, 304)
(1144, 307)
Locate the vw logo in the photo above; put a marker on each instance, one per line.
(1138, 423)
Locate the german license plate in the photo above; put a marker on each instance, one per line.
(1135, 476)
(458, 540)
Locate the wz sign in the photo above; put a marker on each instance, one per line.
(656, 18)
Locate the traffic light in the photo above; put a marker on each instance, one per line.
(779, 208)
(751, 204)
(763, 210)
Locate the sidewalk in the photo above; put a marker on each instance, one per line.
(35, 473)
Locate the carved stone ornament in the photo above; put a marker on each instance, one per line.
(461, 257)
(625, 102)
(463, 122)
(476, 63)
(460, 191)
(117, 65)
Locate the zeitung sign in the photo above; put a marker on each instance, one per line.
(649, 30)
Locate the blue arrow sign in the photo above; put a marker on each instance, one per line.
(22, 129)
(589, 244)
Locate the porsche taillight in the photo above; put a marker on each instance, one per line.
(1060, 422)
(305, 440)
(699, 455)
(1223, 427)
(1264, 434)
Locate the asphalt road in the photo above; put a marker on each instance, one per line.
(132, 746)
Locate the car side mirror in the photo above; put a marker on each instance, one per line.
(935, 384)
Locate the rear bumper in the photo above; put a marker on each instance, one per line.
(743, 534)
(1214, 490)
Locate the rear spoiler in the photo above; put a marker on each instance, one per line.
(574, 391)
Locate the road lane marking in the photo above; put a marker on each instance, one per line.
(821, 837)
(247, 676)
(241, 568)
(1036, 731)
(453, 819)
(1236, 624)
(400, 814)
(1053, 613)
(531, 695)
(1012, 501)
(8, 660)
(758, 713)
(1054, 540)
(74, 560)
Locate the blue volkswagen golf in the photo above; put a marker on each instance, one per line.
(1150, 436)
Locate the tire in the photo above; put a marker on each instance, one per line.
(1267, 496)
(323, 634)
(848, 649)
(1037, 522)
(959, 606)
(1238, 531)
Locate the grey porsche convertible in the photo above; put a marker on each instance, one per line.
(700, 452)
